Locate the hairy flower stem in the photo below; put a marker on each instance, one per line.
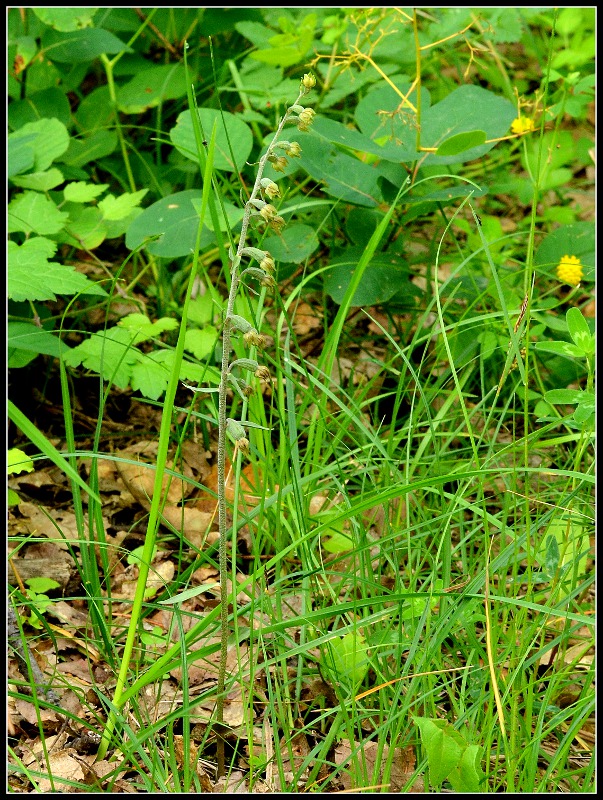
(222, 399)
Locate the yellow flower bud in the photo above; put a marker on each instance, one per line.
(305, 119)
(267, 212)
(294, 150)
(267, 263)
(308, 82)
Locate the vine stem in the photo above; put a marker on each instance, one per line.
(222, 400)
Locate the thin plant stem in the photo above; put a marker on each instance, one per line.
(235, 260)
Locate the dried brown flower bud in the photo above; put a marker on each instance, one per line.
(243, 444)
(267, 263)
(254, 339)
(277, 224)
(263, 373)
(279, 163)
(267, 212)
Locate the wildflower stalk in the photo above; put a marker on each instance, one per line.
(255, 206)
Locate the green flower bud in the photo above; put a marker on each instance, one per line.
(254, 252)
(239, 323)
(244, 363)
(235, 429)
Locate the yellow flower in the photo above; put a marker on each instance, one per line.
(522, 125)
(305, 119)
(308, 82)
(569, 270)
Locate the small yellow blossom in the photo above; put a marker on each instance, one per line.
(271, 189)
(522, 125)
(276, 223)
(254, 339)
(279, 163)
(305, 119)
(308, 82)
(569, 270)
(294, 150)
(267, 212)
(267, 263)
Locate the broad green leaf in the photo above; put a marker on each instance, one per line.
(66, 19)
(52, 102)
(116, 208)
(85, 228)
(444, 751)
(580, 332)
(32, 212)
(387, 119)
(40, 181)
(289, 47)
(380, 282)
(293, 245)
(41, 584)
(571, 539)
(82, 192)
(201, 343)
(258, 34)
(346, 660)
(21, 154)
(577, 240)
(111, 354)
(143, 326)
(341, 175)
(566, 349)
(92, 148)
(461, 142)
(151, 373)
(468, 775)
(150, 87)
(95, 112)
(338, 543)
(25, 336)
(566, 396)
(17, 461)
(52, 141)
(201, 309)
(31, 276)
(175, 218)
(489, 344)
(81, 46)
(466, 110)
(234, 214)
(239, 134)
